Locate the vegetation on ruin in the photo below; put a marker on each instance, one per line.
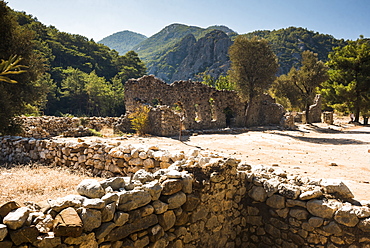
(140, 119)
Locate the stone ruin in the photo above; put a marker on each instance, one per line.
(178, 200)
(195, 106)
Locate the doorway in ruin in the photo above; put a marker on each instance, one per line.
(229, 116)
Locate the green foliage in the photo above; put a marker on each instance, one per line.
(140, 119)
(123, 41)
(95, 133)
(10, 67)
(16, 97)
(221, 83)
(298, 88)
(253, 66)
(94, 72)
(348, 88)
(289, 43)
(88, 94)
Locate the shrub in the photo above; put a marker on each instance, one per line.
(140, 119)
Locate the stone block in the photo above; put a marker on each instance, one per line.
(68, 223)
(122, 232)
(23, 235)
(171, 186)
(8, 207)
(323, 209)
(167, 220)
(133, 199)
(16, 218)
(90, 188)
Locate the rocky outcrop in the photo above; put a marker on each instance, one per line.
(207, 54)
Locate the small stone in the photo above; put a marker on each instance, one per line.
(154, 188)
(299, 214)
(68, 223)
(3, 232)
(6, 208)
(312, 194)
(276, 201)
(114, 182)
(120, 218)
(171, 186)
(16, 218)
(334, 186)
(90, 188)
(143, 176)
(323, 209)
(175, 200)
(133, 199)
(346, 216)
(167, 220)
(107, 213)
(316, 221)
(258, 194)
(23, 235)
(91, 219)
(159, 207)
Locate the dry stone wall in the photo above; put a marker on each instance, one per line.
(49, 126)
(197, 199)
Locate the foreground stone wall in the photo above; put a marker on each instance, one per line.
(197, 200)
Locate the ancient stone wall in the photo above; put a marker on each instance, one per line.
(195, 200)
(49, 126)
(203, 107)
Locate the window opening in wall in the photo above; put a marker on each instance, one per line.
(213, 110)
(197, 115)
(229, 114)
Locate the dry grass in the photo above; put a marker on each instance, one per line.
(36, 183)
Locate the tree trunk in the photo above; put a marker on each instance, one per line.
(308, 121)
(247, 113)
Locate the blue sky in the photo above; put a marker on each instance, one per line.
(347, 19)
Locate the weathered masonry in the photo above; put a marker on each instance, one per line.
(199, 199)
(202, 107)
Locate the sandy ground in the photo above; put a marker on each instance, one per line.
(316, 151)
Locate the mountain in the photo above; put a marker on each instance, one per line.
(181, 52)
(165, 51)
(123, 41)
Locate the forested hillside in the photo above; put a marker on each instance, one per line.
(289, 43)
(131, 39)
(81, 77)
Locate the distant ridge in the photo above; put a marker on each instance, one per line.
(123, 41)
(181, 52)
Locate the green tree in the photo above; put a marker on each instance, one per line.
(221, 83)
(300, 85)
(14, 98)
(253, 67)
(348, 88)
(130, 66)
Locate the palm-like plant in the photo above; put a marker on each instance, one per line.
(11, 67)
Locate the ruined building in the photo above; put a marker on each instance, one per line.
(195, 106)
